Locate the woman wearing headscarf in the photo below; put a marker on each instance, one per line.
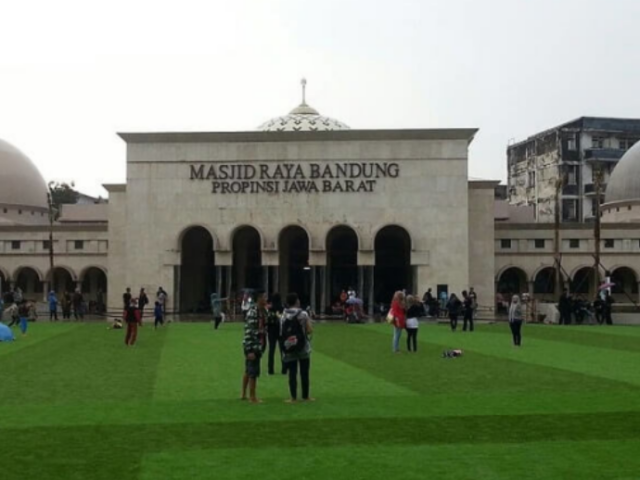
(399, 319)
(515, 320)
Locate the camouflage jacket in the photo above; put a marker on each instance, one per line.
(254, 331)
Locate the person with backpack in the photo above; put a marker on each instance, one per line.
(397, 317)
(253, 345)
(143, 300)
(158, 315)
(453, 307)
(274, 314)
(53, 306)
(415, 311)
(295, 333)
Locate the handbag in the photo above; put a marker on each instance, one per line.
(390, 318)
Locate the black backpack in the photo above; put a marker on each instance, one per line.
(294, 339)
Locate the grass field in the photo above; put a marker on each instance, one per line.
(76, 404)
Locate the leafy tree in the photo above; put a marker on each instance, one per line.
(62, 194)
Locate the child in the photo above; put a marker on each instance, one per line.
(415, 310)
(157, 313)
(23, 313)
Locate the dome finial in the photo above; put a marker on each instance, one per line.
(303, 82)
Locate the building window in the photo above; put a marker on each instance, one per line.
(597, 142)
(78, 244)
(19, 212)
(574, 243)
(46, 245)
(505, 243)
(626, 143)
(571, 144)
(572, 175)
(531, 179)
(609, 243)
(15, 245)
(539, 243)
(569, 210)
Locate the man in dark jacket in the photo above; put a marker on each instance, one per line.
(564, 307)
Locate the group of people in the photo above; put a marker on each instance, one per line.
(134, 312)
(69, 302)
(445, 305)
(578, 307)
(270, 326)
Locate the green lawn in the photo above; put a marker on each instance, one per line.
(76, 404)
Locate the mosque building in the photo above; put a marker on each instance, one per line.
(303, 204)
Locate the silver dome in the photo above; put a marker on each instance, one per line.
(624, 184)
(21, 183)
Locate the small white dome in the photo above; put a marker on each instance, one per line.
(303, 118)
(21, 184)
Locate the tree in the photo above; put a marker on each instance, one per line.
(62, 194)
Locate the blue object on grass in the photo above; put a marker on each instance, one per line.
(6, 335)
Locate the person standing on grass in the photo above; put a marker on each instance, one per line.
(143, 300)
(516, 317)
(78, 305)
(607, 308)
(126, 298)
(474, 300)
(253, 345)
(296, 331)
(216, 309)
(23, 313)
(453, 307)
(416, 310)
(398, 312)
(53, 306)
(66, 306)
(158, 315)
(564, 307)
(467, 312)
(275, 310)
(133, 319)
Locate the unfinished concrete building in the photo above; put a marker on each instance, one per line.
(568, 158)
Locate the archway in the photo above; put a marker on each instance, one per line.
(392, 271)
(625, 285)
(295, 274)
(342, 260)
(582, 282)
(28, 280)
(512, 281)
(247, 259)
(61, 281)
(197, 270)
(94, 288)
(544, 282)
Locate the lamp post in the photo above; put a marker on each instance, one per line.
(51, 215)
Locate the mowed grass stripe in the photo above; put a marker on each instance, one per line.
(530, 461)
(620, 366)
(481, 370)
(335, 432)
(88, 364)
(595, 337)
(37, 333)
(199, 363)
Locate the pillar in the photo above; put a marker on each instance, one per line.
(361, 282)
(370, 271)
(265, 280)
(45, 291)
(219, 281)
(323, 287)
(313, 289)
(276, 279)
(229, 272)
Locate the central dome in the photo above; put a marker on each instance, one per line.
(624, 184)
(303, 118)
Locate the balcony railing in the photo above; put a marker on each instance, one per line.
(590, 188)
(603, 154)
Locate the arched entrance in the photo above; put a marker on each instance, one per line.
(197, 271)
(295, 273)
(342, 260)
(247, 259)
(544, 283)
(61, 281)
(392, 271)
(625, 285)
(512, 281)
(582, 282)
(29, 281)
(94, 288)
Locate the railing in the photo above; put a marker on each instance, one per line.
(603, 154)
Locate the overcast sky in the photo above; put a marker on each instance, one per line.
(73, 73)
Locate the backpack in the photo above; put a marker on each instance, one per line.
(294, 339)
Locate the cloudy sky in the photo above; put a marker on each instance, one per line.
(73, 73)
